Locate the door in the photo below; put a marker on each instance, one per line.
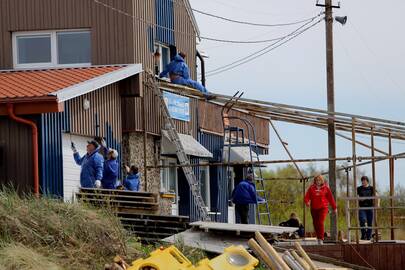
(169, 182)
(71, 171)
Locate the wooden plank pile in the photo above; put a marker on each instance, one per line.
(290, 260)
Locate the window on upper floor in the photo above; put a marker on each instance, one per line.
(164, 59)
(51, 49)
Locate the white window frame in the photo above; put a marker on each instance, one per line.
(164, 182)
(204, 166)
(54, 49)
(158, 47)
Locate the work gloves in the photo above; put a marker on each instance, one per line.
(97, 184)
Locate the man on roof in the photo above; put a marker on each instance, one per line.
(179, 73)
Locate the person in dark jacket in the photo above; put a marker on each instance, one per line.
(295, 223)
(365, 215)
(91, 164)
(178, 72)
(110, 173)
(243, 195)
(133, 179)
(318, 197)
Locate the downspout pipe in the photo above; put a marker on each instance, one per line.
(33, 125)
(202, 68)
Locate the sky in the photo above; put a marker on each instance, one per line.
(369, 66)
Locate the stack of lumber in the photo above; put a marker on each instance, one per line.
(290, 260)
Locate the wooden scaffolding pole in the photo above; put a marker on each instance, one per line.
(392, 185)
(355, 175)
(373, 175)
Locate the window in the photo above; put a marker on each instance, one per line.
(51, 49)
(164, 59)
(168, 177)
(205, 185)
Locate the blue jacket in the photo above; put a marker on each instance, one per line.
(132, 182)
(110, 174)
(92, 168)
(176, 66)
(244, 193)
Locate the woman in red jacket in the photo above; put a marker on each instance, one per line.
(320, 197)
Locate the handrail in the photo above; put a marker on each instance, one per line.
(370, 198)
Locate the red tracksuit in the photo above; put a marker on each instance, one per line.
(320, 199)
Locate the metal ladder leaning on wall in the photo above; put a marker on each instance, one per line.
(181, 155)
(238, 140)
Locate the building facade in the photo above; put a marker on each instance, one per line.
(73, 34)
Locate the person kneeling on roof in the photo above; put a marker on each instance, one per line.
(110, 173)
(91, 164)
(132, 182)
(243, 195)
(178, 73)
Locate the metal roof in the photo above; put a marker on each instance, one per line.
(59, 84)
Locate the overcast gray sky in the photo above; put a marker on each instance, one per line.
(369, 66)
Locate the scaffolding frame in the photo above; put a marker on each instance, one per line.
(351, 123)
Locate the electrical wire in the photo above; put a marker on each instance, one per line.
(251, 23)
(263, 51)
(241, 41)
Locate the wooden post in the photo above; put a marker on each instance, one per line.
(391, 166)
(356, 202)
(270, 250)
(257, 249)
(305, 256)
(373, 175)
(347, 204)
(145, 137)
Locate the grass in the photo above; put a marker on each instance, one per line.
(69, 236)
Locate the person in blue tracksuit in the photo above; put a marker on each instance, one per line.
(179, 73)
(243, 195)
(110, 173)
(91, 164)
(132, 182)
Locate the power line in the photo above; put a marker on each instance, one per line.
(263, 51)
(250, 23)
(241, 41)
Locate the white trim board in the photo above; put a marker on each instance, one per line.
(98, 82)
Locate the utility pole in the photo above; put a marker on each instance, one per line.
(331, 106)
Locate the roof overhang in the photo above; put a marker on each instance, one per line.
(192, 17)
(96, 83)
(237, 154)
(190, 145)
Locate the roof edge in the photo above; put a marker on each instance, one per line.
(97, 82)
(192, 17)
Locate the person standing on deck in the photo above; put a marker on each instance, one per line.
(318, 197)
(243, 195)
(365, 215)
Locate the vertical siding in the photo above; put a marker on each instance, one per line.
(112, 32)
(185, 35)
(133, 115)
(51, 160)
(16, 154)
(164, 21)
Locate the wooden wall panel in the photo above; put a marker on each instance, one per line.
(210, 119)
(112, 38)
(105, 110)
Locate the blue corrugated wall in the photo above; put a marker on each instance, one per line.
(51, 160)
(165, 21)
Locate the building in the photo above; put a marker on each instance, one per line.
(94, 52)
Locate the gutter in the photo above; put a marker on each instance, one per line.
(202, 68)
(35, 163)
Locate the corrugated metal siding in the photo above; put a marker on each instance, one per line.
(51, 160)
(164, 21)
(218, 181)
(133, 115)
(112, 38)
(102, 118)
(185, 36)
(210, 119)
(16, 154)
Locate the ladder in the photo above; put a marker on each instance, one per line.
(235, 137)
(181, 155)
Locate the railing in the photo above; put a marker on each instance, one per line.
(374, 208)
